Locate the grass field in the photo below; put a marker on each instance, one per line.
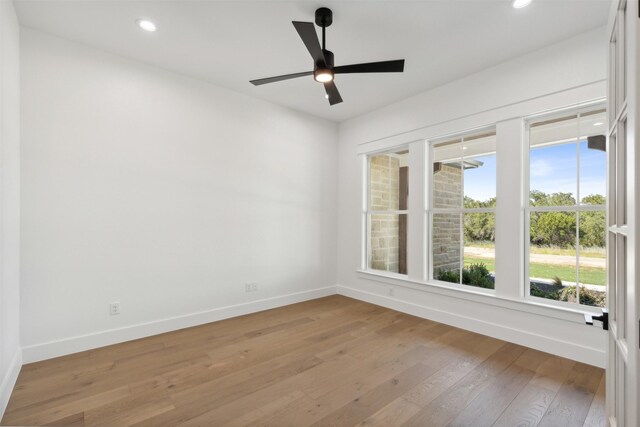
(590, 275)
(585, 252)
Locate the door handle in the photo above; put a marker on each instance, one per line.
(604, 318)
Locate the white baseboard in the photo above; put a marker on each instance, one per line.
(9, 381)
(547, 344)
(48, 350)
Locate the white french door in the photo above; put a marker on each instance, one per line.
(624, 208)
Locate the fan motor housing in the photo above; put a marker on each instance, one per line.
(328, 59)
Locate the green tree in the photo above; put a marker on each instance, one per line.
(593, 225)
(562, 199)
(594, 199)
(480, 227)
(538, 198)
(546, 228)
(473, 203)
(555, 228)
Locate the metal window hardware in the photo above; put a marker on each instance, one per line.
(604, 318)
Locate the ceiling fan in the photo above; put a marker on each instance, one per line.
(324, 70)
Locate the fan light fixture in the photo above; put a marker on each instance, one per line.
(519, 4)
(323, 75)
(146, 25)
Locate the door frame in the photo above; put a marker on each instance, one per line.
(623, 352)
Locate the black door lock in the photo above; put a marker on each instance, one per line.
(604, 318)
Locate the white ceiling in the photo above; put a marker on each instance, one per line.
(229, 43)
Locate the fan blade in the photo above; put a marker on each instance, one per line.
(307, 33)
(332, 92)
(259, 82)
(396, 66)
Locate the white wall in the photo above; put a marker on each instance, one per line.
(10, 354)
(567, 73)
(164, 193)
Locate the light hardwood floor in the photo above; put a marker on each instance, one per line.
(333, 361)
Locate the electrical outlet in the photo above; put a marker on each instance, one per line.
(114, 308)
(251, 287)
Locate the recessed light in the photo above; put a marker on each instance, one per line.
(598, 124)
(146, 25)
(519, 4)
(326, 95)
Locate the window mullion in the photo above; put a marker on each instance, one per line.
(578, 213)
(416, 247)
(509, 218)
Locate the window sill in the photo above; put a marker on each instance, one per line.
(481, 296)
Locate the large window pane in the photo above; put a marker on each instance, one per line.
(387, 245)
(553, 175)
(479, 155)
(593, 170)
(622, 177)
(552, 255)
(555, 269)
(388, 181)
(592, 259)
(479, 250)
(447, 175)
(620, 264)
(553, 162)
(593, 158)
(446, 256)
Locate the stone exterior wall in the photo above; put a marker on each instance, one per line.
(447, 193)
(384, 231)
(384, 195)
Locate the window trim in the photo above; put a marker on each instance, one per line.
(476, 295)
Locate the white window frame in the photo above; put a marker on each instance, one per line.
(430, 210)
(512, 179)
(577, 208)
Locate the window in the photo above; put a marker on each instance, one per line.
(462, 209)
(386, 212)
(554, 239)
(566, 220)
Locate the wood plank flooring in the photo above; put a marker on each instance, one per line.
(333, 361)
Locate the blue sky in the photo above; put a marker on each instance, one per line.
(553, 170)
(480, 183)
